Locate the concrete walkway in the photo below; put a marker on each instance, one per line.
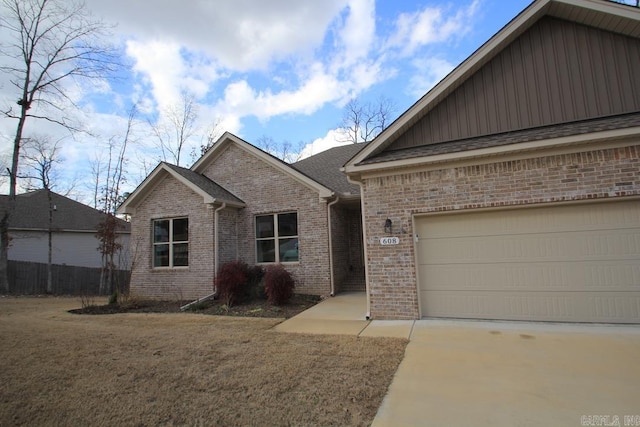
(460, 373)
(344, 314)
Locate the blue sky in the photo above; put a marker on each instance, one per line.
(281, 69)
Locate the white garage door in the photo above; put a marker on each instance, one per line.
(577, 263)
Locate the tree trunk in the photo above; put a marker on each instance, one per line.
(49, 255)
(4, 248)
(13, 184)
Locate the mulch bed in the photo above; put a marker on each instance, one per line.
(256, 308)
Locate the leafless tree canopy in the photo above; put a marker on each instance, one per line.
(211, 135)
(285, 150)
(175, 126)
(50, 43)
(40, 162)
(361, 122)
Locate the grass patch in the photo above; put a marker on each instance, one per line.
(182, 369)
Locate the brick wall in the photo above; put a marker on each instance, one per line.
(597, 174)
(227, 235)
(181, 283)
(340, 243)
(267, 190)
(348, 264)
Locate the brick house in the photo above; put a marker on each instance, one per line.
(239, 202)
(511, 190)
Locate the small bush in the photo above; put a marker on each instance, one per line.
(279, 285)
(231, 282)
(113, 298)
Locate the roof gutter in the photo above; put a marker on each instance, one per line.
(364, 245)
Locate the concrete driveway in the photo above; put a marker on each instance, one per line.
(472, 373)
(461, 373)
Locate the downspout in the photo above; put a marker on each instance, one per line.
(364, 244)
(215, 258)
(331, 275)
(215, 238)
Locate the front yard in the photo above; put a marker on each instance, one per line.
(181, 369)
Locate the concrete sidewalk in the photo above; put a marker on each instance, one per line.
(460, 373)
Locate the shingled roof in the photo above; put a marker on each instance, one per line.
(325, 167)
(32, 213)
(580, 127)
(205, 184)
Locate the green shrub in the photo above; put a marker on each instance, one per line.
(279, 285)
(113, 298)
(231, 284)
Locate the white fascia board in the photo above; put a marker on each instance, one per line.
(503, 150)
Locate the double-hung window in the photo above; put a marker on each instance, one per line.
(171, 242)
(277, 237)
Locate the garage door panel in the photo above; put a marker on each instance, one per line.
(560, 306)
(558, 246)
(602, 216)
(561, 263)
(601, 276)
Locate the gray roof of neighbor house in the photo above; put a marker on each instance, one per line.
(205, 184)
(534, 134)
(32, 212)
(325, 167)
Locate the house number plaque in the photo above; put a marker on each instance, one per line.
(385, 241)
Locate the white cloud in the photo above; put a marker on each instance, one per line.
(333, 138)
(241, 34)
(162, 66)
(430, 25)
(429, 73)
(358, 33)
(241, 99)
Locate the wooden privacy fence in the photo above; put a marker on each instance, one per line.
(31, 278)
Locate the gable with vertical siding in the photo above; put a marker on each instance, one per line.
(555, 72)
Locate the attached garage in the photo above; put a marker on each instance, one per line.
(513, 186)
(575, 262)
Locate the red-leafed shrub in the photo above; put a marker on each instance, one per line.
(279, 285)
(231, 282)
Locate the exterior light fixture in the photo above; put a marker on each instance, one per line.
(388, 226)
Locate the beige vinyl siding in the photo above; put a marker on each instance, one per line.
(555, 72)
(577, 262)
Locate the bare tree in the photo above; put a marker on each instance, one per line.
(363, 122)
(40, 159)
(285, 150)
(109, 178)
(175, 126)
(210, 137)
(50, 43)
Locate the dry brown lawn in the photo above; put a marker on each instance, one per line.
(58, 368)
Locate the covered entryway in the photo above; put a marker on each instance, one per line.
(576, 262)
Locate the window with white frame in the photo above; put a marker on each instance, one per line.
(277, 237)
(171, 242)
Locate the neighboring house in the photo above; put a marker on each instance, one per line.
(513, 186)
(73, 226)
(239, 202)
